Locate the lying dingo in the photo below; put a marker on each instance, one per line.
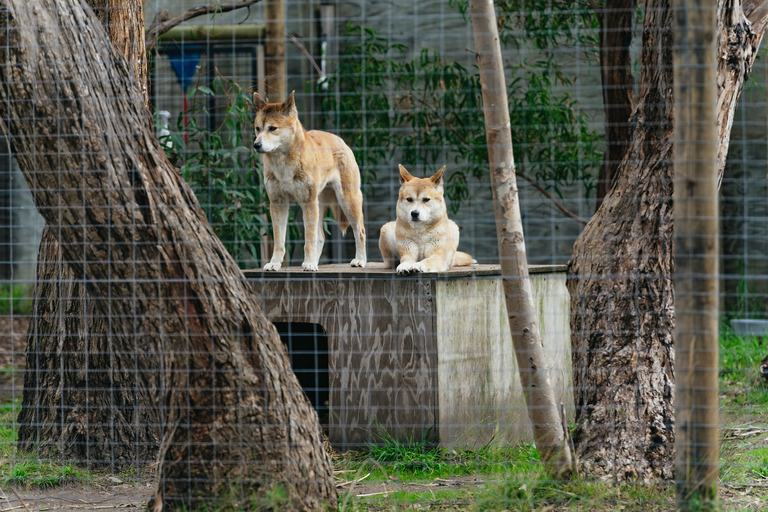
(423, 238)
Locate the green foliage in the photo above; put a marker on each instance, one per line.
(740, 356)
(749, 303)
(221, 167)
(15, 298)
(425, 108)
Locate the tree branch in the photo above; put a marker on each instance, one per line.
(160, 27)
(306, 53)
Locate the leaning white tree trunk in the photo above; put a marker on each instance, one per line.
(548, 430)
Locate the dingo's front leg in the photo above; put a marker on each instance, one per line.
(279, 213)
(435, 263)
(409, 253)
(388, 244)
(311, 210)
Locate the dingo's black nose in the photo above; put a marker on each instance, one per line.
(257, 145)
(414, 215)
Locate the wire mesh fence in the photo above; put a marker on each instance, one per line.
(208, 302)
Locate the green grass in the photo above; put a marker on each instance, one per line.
(40, 474)
(492, 478)
(743, 463)
(422, 456)
(534, 491)
(15, 298)
(25, 470)
(496, 478)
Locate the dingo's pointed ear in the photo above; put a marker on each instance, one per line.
(258, 102)
(289, 105)
(405, 176)
(437, 179)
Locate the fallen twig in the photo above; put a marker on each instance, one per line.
(742, 433)
(20, 500)
(373, 494)
(736, 486)
(353, 481)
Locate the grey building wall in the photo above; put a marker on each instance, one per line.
(20, 224)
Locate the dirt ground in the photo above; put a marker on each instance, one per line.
(13, 334)
(100, 494)
(91, 496)
(104, 492)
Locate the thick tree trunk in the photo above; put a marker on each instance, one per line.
(620, 281)
(616, 19)
(548, 429)
(82, 400)
(124, 23)
(132, 231)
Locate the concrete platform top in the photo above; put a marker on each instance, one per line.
(376, 269)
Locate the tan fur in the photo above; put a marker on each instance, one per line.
(313, 168)
(423, 238)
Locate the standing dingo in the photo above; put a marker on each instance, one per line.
(315, 169)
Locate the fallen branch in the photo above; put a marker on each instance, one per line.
(20, 500)
(353, 481)
(732, 433)
(373, 494)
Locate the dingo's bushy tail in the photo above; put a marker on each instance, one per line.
(341, 218)
(462, 259)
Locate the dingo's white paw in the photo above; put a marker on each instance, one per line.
(272, 266)
(408, 268)
(357, 262)
(312, 267)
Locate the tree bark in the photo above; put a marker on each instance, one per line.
(616, 17)
(696, 256)
(124, 23)
(620, 282)
(548, 429)
(741, 28)
(82, 400)
(620, 277)
(132, 231)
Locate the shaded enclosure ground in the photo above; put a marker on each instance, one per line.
(414, 475)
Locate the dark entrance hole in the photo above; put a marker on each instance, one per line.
(307, 346)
